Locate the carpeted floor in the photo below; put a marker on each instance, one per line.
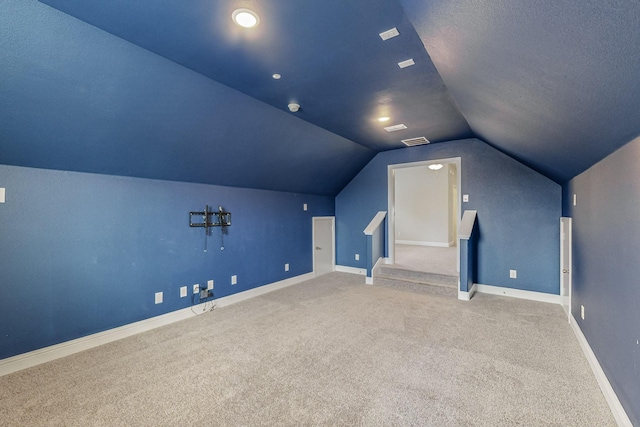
(330, 351)
(428, 258)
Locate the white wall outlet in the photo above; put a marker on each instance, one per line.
(582, 312)
(513, 274)
(210, 284)
(158, 297)
(357, 257)
(575, 199)
(2, 193)
(183, 291)
(234, 280)
(196, 288)
(304, 207)
(286, 267)
(465, 198)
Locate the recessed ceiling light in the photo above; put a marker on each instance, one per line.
(436, 166)
(276, 76)
(407, 63)
(245, 18)
(384, 119)
(395, 127)
(294, 107)
(389, 34)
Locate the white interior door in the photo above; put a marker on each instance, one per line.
(323, 245)
(565, 264)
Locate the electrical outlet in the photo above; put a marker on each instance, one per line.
(513, 274)
(158, 297)
(196, 288)
(210, 285)
(286, 267)
(234, 279)
(582, 312)
(183, 291)
(357, 257)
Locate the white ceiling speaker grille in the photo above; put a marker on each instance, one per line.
(415, 141)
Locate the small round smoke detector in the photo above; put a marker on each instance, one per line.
(294, 107)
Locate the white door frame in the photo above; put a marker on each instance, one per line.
(391, 192)
(565, 270)
(315, 220)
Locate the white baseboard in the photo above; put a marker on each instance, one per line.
(421, 243)
(352, 270)
(47, 354)
(518, 293)
(612, 399)
(466, 296)
(368, 280)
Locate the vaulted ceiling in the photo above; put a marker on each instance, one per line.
(174, 89)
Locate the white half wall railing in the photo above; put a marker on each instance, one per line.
(375, 242)
(467, 235)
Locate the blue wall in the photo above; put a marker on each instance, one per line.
(606, 249)
(82, 253)
(518, 212)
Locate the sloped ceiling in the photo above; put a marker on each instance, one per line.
(173, 89)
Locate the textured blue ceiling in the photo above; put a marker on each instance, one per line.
(554, 83)
(174, 90)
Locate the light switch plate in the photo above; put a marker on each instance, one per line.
(158, 297)
(304, 207)
(2, 193)
(465, 198)
(196, 288)
(234, 279)
(286, 267)
(210, 284)
(513, 274)
(183, 291)
(357, 257)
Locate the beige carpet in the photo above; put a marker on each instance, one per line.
(427, 258)
(330, 351)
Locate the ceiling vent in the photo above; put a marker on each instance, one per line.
(415, 141)
(389, 34)
(394, 128)
(408, 63)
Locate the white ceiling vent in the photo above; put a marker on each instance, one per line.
(408, 63)
(395, 127)
(389, 34)
(415, 141)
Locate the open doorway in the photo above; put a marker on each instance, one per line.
(424, 211)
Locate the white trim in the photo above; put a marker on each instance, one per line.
(421, 243)
(518, 293)
(466, 296)
(352, 270)
(375, 223)
(609, 394)
(47, 354)
(368, 280)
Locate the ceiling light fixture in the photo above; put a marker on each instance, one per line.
(294, 107)
(384, 119)
(276, 76)
(436, 166)
(245, 18)
(407, 63)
